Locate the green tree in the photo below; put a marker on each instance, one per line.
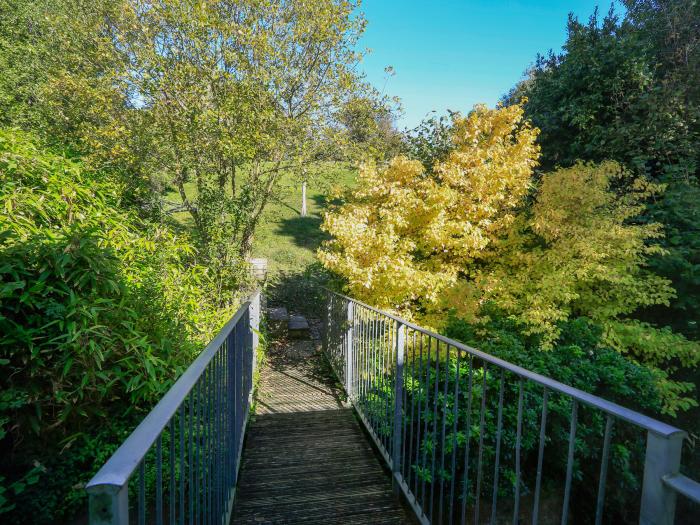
(579, 252)
(61, 82)
(369, 128)
(236, 92)
(99, 314)
(431, 141)
(627, 90)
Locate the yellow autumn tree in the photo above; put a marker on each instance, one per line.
(405, 235)
(581, 251)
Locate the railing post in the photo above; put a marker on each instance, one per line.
(326, 322)
(108, 505)
(349, 350)
(398, 406)
(663, 458)
(255, 326)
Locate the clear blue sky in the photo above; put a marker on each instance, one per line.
(455, 53)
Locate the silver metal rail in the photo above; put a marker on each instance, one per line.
(186, 452)
(459, 430)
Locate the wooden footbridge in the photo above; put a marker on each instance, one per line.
(306, 459)
(384, 422)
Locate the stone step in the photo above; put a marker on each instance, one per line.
(277, 314)
(298, 327)
(278, 318)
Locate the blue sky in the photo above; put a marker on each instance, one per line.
(455, 53)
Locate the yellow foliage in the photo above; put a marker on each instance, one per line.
(577, 253)
(404, 235)
(462, 235)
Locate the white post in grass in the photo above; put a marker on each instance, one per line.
(303, 199)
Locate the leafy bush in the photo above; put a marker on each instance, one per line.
(99, 313)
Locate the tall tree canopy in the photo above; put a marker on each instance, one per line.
(405, 235)
(479, 235)
(627, 90)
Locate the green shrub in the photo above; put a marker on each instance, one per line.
(99, 314)
(578, 360)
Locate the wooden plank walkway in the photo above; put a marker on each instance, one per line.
(305, 459)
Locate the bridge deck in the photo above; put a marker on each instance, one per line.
(306, 460)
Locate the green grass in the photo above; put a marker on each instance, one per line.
(286, 239)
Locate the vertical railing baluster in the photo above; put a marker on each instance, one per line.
(159, 480)
(378, 380)
(444, 430)
(518, 439)
(224, 434)
(373, 388)
(217, 439)
(368, 366)
(435, 423)
(171, 464)
(235, 349)
(499, 429)
(409, 470)
(417, 475)
(600, 500)
(455, 417)
(398, 405)
(223, 454)
(234, 413)
(190, 459)
(230, 453)
(383, 380)
(424, 463)
(207, 446)
(404, 405)
(348, 350)
(213, 459)
(360, 336)
(381, 398)
(540, 458)
(570, 462)
(181, 450)
(210, 435)
(479, 473)
(357, 370)
(223, 437)
(240, 390)
(467, 433)
(198, 442)
(142, 492)
(389, 390)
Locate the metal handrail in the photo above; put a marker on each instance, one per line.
(203, 417)
(631, 416)
(368, 349)
(122, 464)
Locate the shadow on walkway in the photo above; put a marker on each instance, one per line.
(306, 460)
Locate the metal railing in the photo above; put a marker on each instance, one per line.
(471, 438)
(181, 463)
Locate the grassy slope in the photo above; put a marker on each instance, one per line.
(286, 239)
